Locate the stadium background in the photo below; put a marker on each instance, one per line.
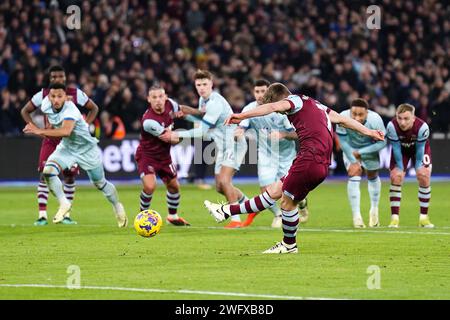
(320, 48)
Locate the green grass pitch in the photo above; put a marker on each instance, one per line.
(206, 261)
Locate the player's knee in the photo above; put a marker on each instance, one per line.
(287, 203)
(372, 175)
(396, 177)
(354, 171)
(69, 179)
(99, 184)
(274, 191)
(149, 189)
(173, 187)
(423, 176)
(50, 170)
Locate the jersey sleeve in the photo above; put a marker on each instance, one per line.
(424, 133)
(213, 112)
(153, 127)
(391, 132)
(82, 98)
(36, 100)
(296, 104)
(287, 125)
(72, 112)
(246, 122)
(378, 123)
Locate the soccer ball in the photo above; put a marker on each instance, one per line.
(148, 223)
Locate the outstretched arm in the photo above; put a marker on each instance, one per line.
(191, 111)
(262, 110)
(349, 123)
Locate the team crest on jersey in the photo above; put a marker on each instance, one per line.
(70, 98)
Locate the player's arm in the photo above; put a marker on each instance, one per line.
(156, 129)
(377, 146)
(395, 144)
(345, 145)
(422, 137)
(350, 123)
(208, 121)
(198, 132)
(279, 135)
(197, 113)
(64, 131)
(374, 147)
(26, 112)
(93, 111)
(262, 110)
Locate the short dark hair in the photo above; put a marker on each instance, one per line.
(57, 86)
(56, 68)
(362, 103)
(203, 74)
(261, 83)
(276, 92)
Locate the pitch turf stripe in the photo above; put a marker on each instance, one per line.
(331, 230)
(301, 229)
(182, 291)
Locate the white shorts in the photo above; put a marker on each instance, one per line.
(270, 173)
(231, 157)
(65, 158)
(369, 162)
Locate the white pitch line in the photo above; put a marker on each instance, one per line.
(301, 229)
(183, 291)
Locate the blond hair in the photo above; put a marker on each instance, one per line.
(276, 92)
(405, 107)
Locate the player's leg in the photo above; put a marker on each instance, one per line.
(374, 188)
(148, 177)
(228, 161)
(267, 174)
(290, 221)
(173, 202)
(275, 209)
(148, 188)
(97, 177)
(395, 195)
(69, 182)
(69, 189)
(51, 172)
(354, 171)
(221, 212)
(47, 149)
(225, 187)
(42, 195)
(424, 177)
(303, 177)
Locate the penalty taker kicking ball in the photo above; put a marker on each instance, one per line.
(148, 223)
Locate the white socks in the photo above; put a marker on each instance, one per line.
(374, 187)
(354, 195)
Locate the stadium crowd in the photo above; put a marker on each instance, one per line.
(322, 48)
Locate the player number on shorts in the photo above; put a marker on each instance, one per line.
(426, 160)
